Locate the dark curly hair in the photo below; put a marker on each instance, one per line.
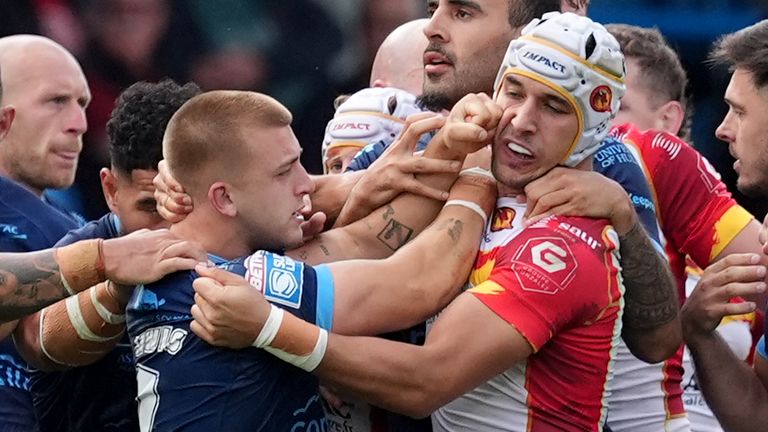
(138, 122)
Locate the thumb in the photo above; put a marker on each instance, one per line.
(220, 276)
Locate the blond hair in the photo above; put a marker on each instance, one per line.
(208, 135)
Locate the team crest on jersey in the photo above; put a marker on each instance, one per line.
(545, 265)
(279, 278)
(600, 99)
(503, 217)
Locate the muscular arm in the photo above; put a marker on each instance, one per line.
(651, 323)
(28, 282)
(406, 288)
(719, 372)
(391, 226)
(416, 380)
(32, 280)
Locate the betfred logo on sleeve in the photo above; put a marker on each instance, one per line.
(544, 265)
(278, 277)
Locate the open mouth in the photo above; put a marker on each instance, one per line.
(520, 151)
(298, 216)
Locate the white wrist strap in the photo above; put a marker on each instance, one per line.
(78, 322)
(477, 171)
(271, 326)
(470, 205)
(64, 282)
(103, 312)
(268, 333)
(308, 362)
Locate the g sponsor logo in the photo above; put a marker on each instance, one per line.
(544, 265)
(545, 255)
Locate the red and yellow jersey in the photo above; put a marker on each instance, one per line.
(698, 217)
(557, 282)
(697, 214)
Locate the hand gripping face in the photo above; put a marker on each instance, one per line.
(580, 60)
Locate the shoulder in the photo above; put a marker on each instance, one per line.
(105, 228)
(26, 218)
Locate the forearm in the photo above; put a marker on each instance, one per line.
(651, 321)
(365, 367)
(393, 225)
(718, 372)
(398, 292)
(77, 331)
(386, 229)
(30, 281)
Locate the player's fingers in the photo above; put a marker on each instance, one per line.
(734, 308)
(314, 225)
(206, 287)
(416, 126)
(184, 249)
(745, 259)
(736, 274)
(548, 203)
(416, 187)
(466, 132)
(221, 276)
(424, 165)
(198, 329)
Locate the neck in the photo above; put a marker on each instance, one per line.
(224, 241)
(510, 191)
(5, 172)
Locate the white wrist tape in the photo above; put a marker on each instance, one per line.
(78, 322)
(308, 362)
(103, 312)
(269, 331)
(271, 326)
(470, 205)
(64, 282)
(41, 338)
(477, 171)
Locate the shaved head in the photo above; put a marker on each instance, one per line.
(399, 60)
(45, 85)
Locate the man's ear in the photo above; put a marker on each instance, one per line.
(7, 114)
(220, 199)
(109, 187)
(670, 117)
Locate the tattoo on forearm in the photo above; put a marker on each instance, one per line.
(325, 250)
(454, 231)
(28, 282)
(388, 212)
(650, 295)
(395, 235)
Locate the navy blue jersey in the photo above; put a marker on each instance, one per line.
(184, 384)
(97, 397)
(614, 160)
(26, 224)
(368, 154)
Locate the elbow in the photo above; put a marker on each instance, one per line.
(655, 345)
(434, 387)
(422, 402)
